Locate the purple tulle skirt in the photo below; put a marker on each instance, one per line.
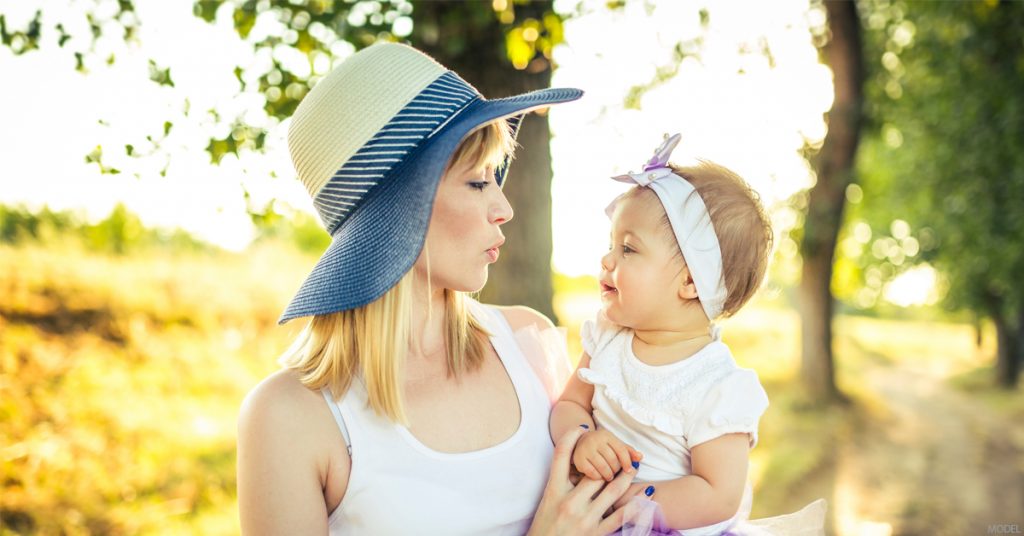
(644, 518)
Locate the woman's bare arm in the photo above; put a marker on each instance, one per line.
(281, 465)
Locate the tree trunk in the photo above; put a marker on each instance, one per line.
(1013, 370)
(1009, 340)
(816, 308)
(834, 167)
(468, 38)
(1007, 348)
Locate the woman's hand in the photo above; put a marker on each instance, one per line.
(568, 509)
(636, 488)
(599, 455)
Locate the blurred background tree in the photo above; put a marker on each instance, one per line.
(942, 170)
(825, 202)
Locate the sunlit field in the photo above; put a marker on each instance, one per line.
(122, 376)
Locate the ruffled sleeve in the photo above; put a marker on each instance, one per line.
(734, 405)
(595, 335)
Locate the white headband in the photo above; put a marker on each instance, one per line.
(690, 223)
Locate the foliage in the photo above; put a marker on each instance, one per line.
(942, 173)
(318, 31)
(119, 233)
(297, 228)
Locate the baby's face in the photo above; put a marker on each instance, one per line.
(642, 273)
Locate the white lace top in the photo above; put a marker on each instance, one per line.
(665, 411)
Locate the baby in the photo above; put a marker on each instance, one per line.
(656, 386)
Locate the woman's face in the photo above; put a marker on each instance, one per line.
(464, 234)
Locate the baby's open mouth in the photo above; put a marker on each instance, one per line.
(605, 287)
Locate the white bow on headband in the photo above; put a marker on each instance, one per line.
(690, 222)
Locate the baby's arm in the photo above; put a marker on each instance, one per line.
(573, 408)
(598, 454)
(712, 493)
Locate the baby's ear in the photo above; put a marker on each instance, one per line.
(687, 288)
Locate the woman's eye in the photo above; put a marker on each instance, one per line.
(479, 185)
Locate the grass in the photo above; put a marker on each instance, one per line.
(122, 378)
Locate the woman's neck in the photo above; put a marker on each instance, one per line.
(427, 324)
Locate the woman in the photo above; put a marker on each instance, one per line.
(405, 406)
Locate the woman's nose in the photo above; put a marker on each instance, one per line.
(501, 211)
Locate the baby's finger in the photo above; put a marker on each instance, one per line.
(634, 454)
(588, 470)
(611, 458)
(622, 452)
(602, 467)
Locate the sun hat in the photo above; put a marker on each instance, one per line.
(370, 142)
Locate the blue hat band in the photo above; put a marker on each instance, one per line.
(424, 115)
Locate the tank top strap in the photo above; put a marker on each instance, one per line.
(504, 341)
(491, 318)
(336, 412)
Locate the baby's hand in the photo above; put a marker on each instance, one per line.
(600, 455)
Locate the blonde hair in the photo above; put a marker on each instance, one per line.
(743, 228)
(487, 146)
(372, 342)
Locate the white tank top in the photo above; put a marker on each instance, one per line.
(398, 485)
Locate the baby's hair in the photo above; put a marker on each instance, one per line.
(743, 228)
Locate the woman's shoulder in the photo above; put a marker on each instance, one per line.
(281, 392)
(280, 406)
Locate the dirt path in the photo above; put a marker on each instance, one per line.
(935, 463)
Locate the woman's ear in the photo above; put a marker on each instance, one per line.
(687, 288)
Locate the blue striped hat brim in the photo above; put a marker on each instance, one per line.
(381, 239)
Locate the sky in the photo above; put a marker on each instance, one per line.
(729, 101)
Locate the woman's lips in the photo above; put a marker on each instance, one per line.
(492, 254)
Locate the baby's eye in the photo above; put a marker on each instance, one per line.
(627, 250)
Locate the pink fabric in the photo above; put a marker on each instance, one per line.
(547, 353)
